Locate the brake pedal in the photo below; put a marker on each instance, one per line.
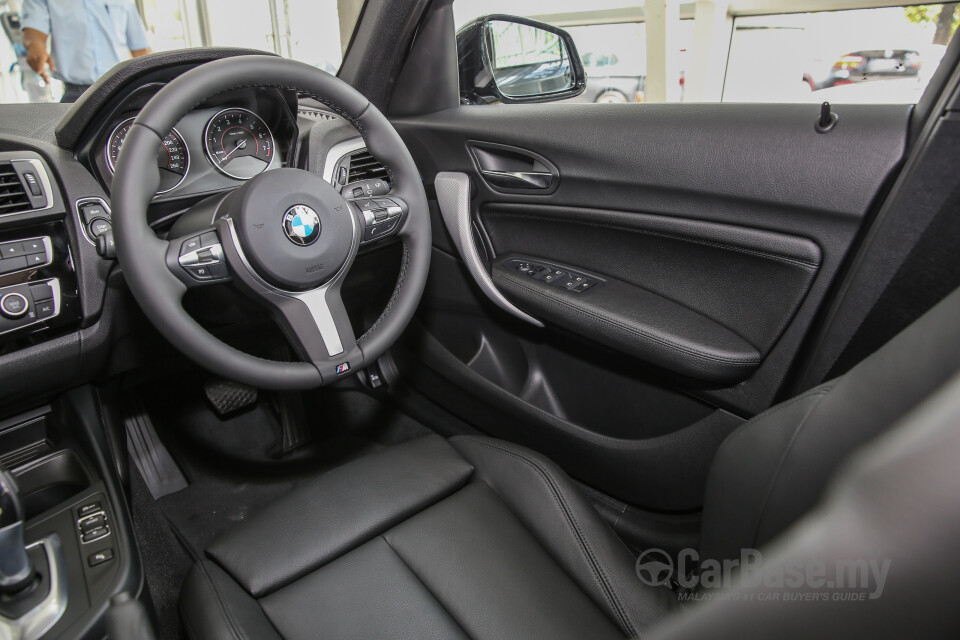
(229, 398)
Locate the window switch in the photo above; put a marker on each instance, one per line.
(554, 275)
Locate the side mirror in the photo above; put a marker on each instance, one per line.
(511, 60)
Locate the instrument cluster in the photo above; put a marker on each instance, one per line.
(212, 149)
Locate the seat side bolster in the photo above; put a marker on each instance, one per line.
(214, 607)
(564, 522)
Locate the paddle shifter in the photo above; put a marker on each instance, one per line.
(16, 570)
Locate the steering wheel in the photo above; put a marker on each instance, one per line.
(286, 237)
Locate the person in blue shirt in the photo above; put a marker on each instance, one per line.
(88, 38)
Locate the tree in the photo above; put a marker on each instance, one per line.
(944, 16)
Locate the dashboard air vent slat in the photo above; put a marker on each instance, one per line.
(13, 195)
(364, 166)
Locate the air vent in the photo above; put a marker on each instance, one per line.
(315, 114)
(13, 196)
(364, 166)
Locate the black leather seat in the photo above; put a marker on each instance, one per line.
(478, 538)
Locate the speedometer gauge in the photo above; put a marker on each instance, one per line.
(238, 143)
(172, 155)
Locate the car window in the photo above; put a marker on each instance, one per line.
(758, 51)
(82, 33)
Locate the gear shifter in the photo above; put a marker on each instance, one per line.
(16, 570)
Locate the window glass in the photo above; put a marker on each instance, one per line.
(86, 37)
(677, 51)
(883, 55)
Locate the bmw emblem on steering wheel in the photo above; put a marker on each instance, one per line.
(301, 224)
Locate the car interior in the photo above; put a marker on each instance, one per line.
(427, 348)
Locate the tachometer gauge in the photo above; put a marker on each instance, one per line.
(172, 155)
(238, 143)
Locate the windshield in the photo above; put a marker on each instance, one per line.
(52, 50)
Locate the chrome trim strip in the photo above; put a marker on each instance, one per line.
(453, 196)
(337, 153)
(35, 623)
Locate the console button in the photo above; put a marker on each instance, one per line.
(40, 292)
(9, 265)
(87, 509)
(92, 210)
(11, 249)
(13, 305)
(99, 226)
(36, 260)
(45, 309)
(34, 246)
(100, 557)
(95, 534)
(90, 523)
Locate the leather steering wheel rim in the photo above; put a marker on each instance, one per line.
(144, 257)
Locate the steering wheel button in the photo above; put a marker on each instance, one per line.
(99, 227)
(200, 271)
(190, 245)
(14, 305)
(209, 239)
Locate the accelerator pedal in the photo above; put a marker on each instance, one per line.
(154, 462)
(229, 398)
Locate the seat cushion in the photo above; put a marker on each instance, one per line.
(472, 538)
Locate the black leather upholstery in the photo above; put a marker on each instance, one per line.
(774, 468)
(480, 538)
(471, 538)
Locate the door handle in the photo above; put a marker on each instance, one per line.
(512, 169)
(519, 179)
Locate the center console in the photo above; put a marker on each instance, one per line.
(65, 544)
(39, 295)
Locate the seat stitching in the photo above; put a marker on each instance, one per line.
(599, 574)
(234, 629)
(783, 458)
(424, 584)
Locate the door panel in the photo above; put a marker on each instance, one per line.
(711, 233)
(698, 298)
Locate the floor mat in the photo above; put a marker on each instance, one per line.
(230, 464)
